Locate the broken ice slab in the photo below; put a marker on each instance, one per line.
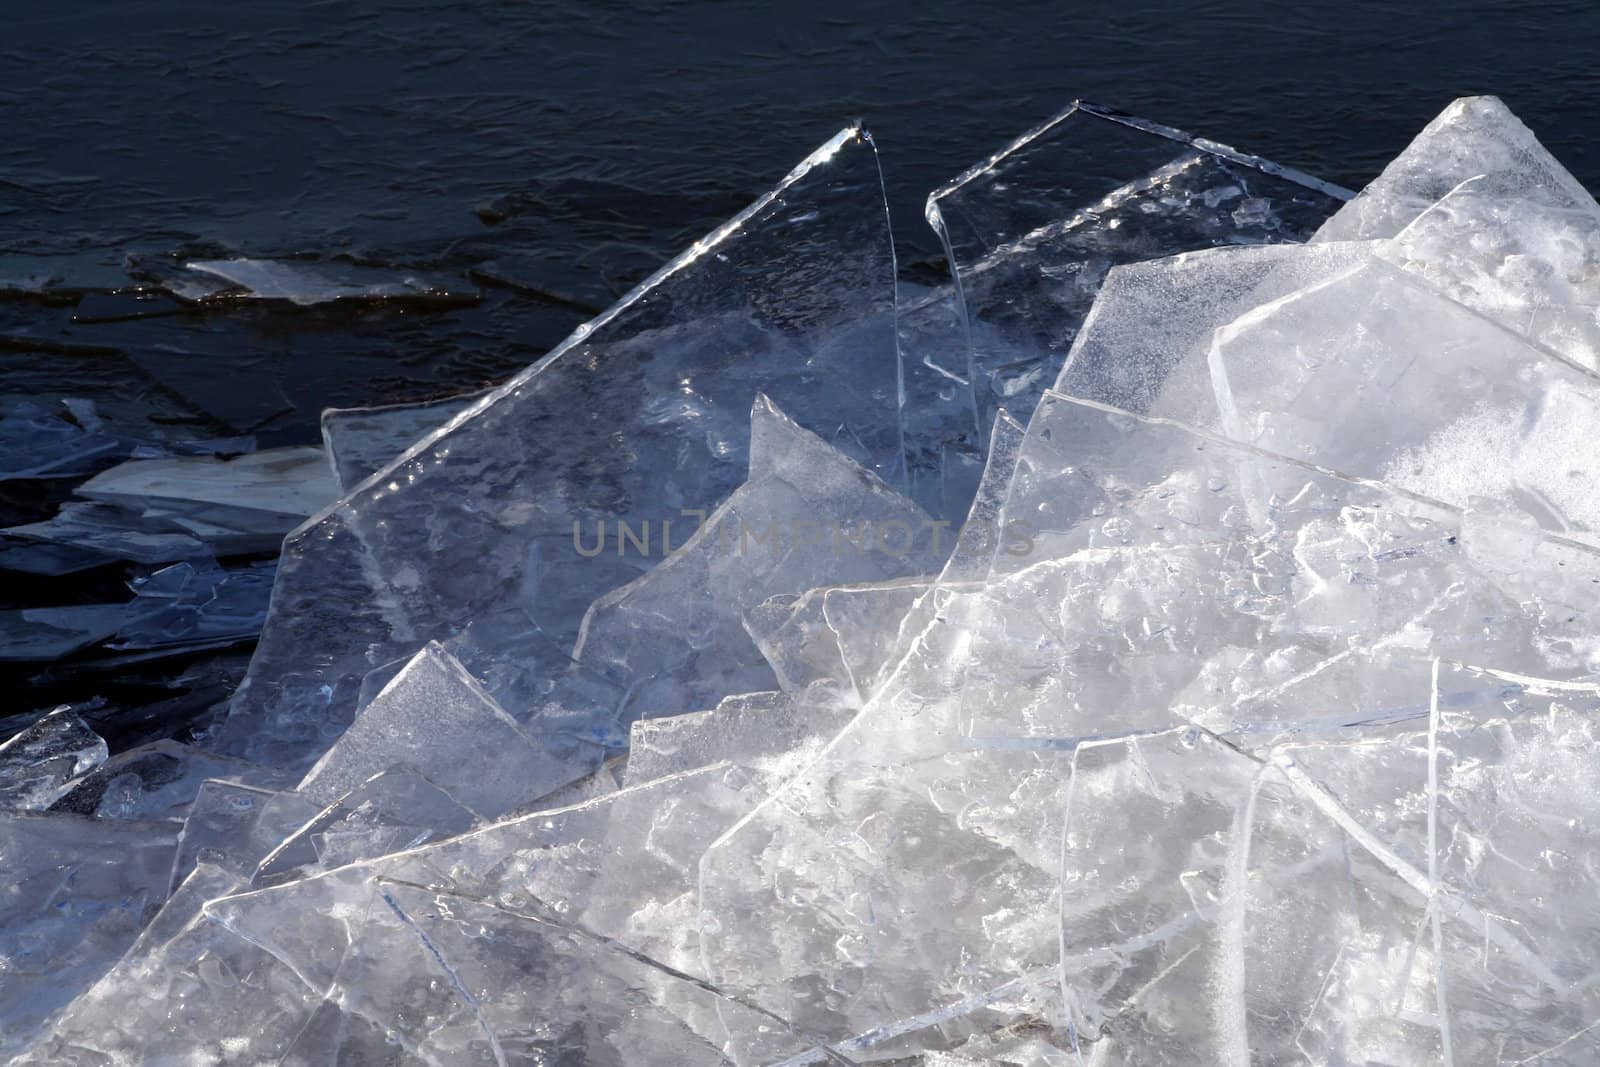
(234, 826)
(270, 490)
(77, 892)
(305, 284)
(1031, 232)
(1528, 265)
(393, 811)
(436, 718)
(939, 416)
(638, 416)
(43, 558)
(112, 533)
(1474, 137)
(198, 603)
(674, 638)
(176, 992)
(773, 734)
(363, 441)
(43, 634)
(1142, 347)
(37, 442)
(157, 781)
(39, 764)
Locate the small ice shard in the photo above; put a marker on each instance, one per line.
(43, 634)
(112, 533)
(1475, 136)
(362, 441)
(1142, 346)
(272, 489)
(435, 717)
(235, 826)
(198, 604)
(157, 781)
(638, 416)
(393, 811)
(840, 636)
(39, 764)
(307, 284)
(674, 638)
(77, 892)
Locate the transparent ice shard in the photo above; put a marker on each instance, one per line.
(38, 764)
(264, 489)
(1031, 232)
(1475, 136)
(674, 638)
(393, 811)
(233, 826)
(158, 781)
(641, 414)
(42, 634)
(114, 533)
(1142, 346)
(306, 284)
(362, 441)
(939, 415)
(435, 717)
(198, 603)
(77, 892)
(838, 637)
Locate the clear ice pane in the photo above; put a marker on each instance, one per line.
(1031, 232)
(639, 415)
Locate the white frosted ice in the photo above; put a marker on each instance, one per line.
(655, 708)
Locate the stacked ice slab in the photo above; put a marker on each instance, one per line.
(1174, 642)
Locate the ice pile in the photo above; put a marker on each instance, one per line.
(1172, 642)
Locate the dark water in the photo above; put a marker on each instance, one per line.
(572, 148)
(618, 132)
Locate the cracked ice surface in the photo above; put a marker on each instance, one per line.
(1251, 715)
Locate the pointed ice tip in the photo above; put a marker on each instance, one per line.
(769, 428)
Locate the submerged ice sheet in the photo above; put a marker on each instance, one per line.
(659, 707)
